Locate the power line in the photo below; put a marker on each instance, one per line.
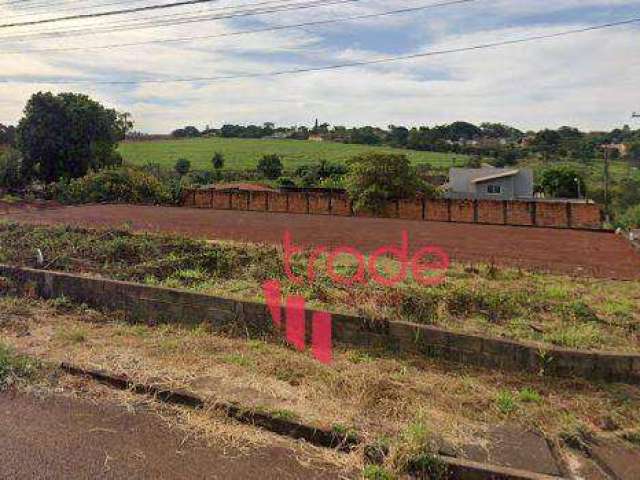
(434, 53)
(245, 32)
(45, 7)
(179, 21)
(109, 13)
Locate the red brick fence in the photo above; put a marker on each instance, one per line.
(494, 212)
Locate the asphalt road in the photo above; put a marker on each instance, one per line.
(63, 438)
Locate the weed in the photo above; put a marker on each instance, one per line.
(238, 359)
(579, 336)
(62, 304)
(286, 415)
(14, 367)
(376, 472)
(429, 466)
(505, 402)
(632, 437)
(73, 335)
(575, 433)
(357, 356)
(529, 395)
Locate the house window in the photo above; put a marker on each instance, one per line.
(494, 189)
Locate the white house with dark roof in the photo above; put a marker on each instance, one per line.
(490, 183)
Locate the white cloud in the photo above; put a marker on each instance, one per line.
(588, 80)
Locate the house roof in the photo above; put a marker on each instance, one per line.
(494, 176)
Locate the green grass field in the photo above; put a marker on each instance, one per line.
(243, 154)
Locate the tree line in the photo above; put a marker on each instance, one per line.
(505, 143)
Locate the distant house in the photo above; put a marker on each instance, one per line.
(622, 148)
(490, 183)
(316, 137)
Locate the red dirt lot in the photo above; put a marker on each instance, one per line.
(575, 252)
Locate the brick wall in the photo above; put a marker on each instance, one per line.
(258, 201)
(203, 198)
(319, 203)
(463, 211)
(298, 202)
(552, 214)
(221, 200)
(411, 209)
(277, 202)
(585, 215)
(519, 213)
(143, 303)
(492, 212)
(188, 198)
(340, 205)
(437, 211)
(240, 200)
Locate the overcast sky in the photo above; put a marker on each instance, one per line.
(590, 80)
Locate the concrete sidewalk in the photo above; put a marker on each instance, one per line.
(64, 438)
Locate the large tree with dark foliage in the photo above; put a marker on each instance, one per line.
(64, 135)
(7, 134)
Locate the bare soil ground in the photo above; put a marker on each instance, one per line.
(597, 254)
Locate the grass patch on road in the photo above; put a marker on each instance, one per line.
(582, 313)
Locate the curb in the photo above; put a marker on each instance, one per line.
(144, 303)
(280, 426)
(458, 469)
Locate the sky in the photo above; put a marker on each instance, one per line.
(589, 80)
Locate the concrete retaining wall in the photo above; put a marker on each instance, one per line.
(162, 305)
(492, 212)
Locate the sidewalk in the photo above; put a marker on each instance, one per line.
(63, 438)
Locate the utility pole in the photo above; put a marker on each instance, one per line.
(606, 180)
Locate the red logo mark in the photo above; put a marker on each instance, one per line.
(295, 322)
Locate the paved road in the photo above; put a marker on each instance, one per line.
(599, 254)
(62, 438)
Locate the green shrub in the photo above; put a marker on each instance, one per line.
(375, 178)
(124, 184)
(11, 169)
(270, 166)
(286, 182)
(631, 218)
(182, 166)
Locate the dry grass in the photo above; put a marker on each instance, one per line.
(371, 393)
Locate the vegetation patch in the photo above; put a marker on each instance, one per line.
(580, 313)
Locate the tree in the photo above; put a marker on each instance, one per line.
(270, 166)
(218, 161)
(562, 181)
(7, 134)
(62, 136)
(11, 169)
(547, 142)
(182, 166)
(375, 178)
(634, 153)
(463, 130)
(398, 136)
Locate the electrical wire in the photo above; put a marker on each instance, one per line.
(397, 58)
(244, 32)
